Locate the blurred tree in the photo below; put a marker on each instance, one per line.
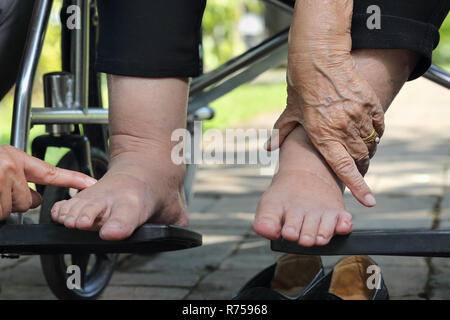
(441, 56)
(221, 39)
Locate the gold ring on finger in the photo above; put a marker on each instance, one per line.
(372, 137)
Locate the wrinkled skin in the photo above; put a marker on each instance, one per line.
(142, 183)
(17, 168)
(327, 95)
(304, 202)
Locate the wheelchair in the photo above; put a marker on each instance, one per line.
(75, 118)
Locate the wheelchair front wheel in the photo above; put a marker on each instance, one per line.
(95, 269)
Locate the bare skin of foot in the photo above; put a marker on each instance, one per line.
(142, 183)
(304, 202)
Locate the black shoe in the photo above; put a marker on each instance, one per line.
(287, 279)
(350, 279)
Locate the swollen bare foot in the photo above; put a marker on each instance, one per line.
(138, 187)
(304, 203)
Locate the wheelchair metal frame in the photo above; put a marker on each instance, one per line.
(203, 90)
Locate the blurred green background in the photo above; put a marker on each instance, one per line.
(229, 26)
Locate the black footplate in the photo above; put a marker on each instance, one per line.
(419, 243)
(39, 239)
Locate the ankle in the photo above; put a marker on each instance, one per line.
(143, 157)
(299, 155)
(128, 143)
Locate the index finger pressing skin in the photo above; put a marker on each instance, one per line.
(41, 172)
(345, 168)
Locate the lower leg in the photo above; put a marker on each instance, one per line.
(142, 182)
(304, 202)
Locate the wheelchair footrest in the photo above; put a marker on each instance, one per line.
(56, 239)
(420, 243)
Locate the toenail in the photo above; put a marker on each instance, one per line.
(320, 239)
(305, 238)
(289, 230)
(62, 217)
(113, 224)
(70, 220)
(84, 219)
(111, 228)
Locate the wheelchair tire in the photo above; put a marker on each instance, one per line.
(96, 269)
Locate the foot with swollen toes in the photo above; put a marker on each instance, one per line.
(142, 183)
(304, 203)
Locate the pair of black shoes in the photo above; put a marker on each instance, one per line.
(299, 277)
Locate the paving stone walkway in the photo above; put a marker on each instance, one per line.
(410, 176)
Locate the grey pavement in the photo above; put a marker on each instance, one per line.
(410, 176)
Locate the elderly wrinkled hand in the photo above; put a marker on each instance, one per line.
(327, 96)
(17, 168)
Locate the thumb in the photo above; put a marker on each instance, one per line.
(36, 199)
(279, 135)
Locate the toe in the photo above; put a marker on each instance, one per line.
(309, 229)
(88, 215)
(56, 209)
(65, 209)
(73, 214)
(268, 219)
(326, 228)
(344, 224)
(120, 224)
(292, 225)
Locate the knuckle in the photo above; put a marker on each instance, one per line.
(7, 164)
(344, 167)
(51, 172)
